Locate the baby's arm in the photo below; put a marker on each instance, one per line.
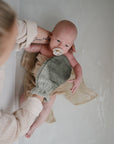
(77, 70)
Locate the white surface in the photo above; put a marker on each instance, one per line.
(90, 123)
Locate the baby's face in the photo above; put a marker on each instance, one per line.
(61, 41)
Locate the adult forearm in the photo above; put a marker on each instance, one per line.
(42, 36)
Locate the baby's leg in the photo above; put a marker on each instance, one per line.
(47, 106)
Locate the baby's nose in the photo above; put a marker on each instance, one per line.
(60, 45)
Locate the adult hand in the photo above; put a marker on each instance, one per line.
(42, 117)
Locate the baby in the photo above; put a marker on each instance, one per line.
(62, 43)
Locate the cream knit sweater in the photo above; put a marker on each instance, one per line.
(14, 125)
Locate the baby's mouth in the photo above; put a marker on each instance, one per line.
(57, 51)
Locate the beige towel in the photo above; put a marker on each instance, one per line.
(32, 63)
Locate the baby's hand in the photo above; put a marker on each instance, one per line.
(42, 117)
(76, 84)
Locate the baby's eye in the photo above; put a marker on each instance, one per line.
(66, 45)
(58, 41)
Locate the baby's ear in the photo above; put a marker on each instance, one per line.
(73, 48)
(50, 35)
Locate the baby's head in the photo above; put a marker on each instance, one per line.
(63, 37)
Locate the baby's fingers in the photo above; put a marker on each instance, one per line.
(71, 80)
(74, 89)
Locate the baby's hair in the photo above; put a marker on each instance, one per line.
(67, 24)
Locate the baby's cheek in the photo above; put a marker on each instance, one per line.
(53, 45)
(65, 50)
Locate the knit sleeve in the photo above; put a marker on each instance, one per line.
(12, 126)
(27, 31)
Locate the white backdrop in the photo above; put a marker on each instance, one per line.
(90, 123)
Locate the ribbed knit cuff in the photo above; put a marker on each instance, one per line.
(33, 105)
(31, 32)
